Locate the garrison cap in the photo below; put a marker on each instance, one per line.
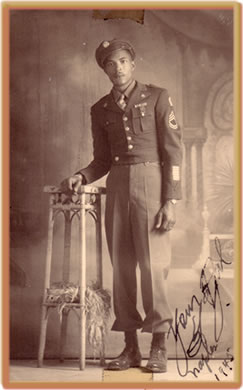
(107, 47)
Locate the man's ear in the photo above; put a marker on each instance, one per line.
(133, 65)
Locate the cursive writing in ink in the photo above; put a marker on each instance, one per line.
(193, 316)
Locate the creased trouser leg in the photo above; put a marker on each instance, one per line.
(121, 249)
(133, 200)
(153, 248)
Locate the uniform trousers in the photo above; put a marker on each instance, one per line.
(134, 197)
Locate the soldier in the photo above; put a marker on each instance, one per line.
(137, 140)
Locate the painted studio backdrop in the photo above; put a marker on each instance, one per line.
(54, 82)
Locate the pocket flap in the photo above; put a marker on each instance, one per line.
(110, 119)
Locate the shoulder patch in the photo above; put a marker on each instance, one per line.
(170, 101)
(172, 121)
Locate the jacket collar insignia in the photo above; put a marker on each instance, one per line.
(139, 94)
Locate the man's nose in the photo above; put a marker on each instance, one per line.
(118, 66)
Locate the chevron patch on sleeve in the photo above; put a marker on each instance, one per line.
(172, 121)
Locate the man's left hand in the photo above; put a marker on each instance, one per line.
(166, 217)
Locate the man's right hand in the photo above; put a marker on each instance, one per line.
(72, 184)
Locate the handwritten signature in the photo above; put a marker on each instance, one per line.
(211, 301)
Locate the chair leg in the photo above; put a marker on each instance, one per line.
(99, 244)
(44, 312)
(82, 335)
(63, 335)
(102, 353)
(82, 284)
(99, 265)
(44, 321)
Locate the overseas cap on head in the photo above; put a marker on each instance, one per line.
(107, 47)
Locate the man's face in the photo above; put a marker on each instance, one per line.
(119, 68)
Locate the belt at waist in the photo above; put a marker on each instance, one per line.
(144, 156)
(142, 162)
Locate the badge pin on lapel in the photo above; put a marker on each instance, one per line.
(142, 108)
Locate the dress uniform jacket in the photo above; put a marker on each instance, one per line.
(146, 131)
(140, 147)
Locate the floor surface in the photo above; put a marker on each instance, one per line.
(53, 371)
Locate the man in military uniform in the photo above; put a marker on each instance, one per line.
(137, 140)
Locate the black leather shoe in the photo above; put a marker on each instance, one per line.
(158, 360)
(130, 357)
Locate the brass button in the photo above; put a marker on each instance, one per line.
(127, 128)
(130, 147)
(125, 118)
(142, 114)
(129, 138)
(116, 158)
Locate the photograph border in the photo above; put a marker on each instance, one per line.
(183, 5)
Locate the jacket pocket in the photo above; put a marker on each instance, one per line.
(143, 121)
(110, 122)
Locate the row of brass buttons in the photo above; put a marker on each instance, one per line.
(127, 128)
(129, 138)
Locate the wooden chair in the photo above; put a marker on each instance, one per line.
(87, 201)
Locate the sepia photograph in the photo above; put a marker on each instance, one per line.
(121, 191)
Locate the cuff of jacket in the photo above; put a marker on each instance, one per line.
(172, 191)
(84, 181)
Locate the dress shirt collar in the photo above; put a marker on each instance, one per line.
(117, 94)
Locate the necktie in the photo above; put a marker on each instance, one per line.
(121, 102)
